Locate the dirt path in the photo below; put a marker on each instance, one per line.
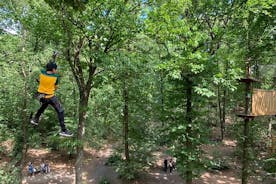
(225, 152)
(95, 169)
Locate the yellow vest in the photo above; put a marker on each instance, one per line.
(47, 83)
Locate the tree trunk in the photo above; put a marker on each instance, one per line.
(83, 105)
(162, 97)
(223, 115)
(25, 118)
(189, 174)
(224, 103)
(72, 54)
(84, 91)
(126, 120)
(220, 112)
(24, 132)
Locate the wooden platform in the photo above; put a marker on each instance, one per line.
(248, 116)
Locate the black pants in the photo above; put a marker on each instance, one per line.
(53, 101)
(171, 168)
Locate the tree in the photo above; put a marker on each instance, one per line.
(15, 54)
(252, 27)
(91, 31)
(175, 26)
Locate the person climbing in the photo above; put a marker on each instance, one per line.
(48, 83)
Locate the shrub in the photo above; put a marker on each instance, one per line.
(66, 145)
(9, 177)
(270, 165)
(128, 170)
(104, 180)
(113, 160)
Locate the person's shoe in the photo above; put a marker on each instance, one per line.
(66, 133)
(33, 122)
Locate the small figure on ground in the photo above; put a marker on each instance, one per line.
(44, 167)
(48, 83)
(31, 170)
(174, 163)
(165, 164)
(47, 168)
(171, 165)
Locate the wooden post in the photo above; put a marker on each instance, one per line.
(245, 151)
(247, 117)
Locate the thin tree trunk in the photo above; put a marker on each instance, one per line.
(223, 114)
(189, 174)
(220, 109)
(126, 121)
(224, 100)
(162, 97)
(24, 117)
(24, 133)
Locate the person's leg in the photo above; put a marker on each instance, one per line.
(60, 112)
(165, 165)
(44, 105)
(57, 106)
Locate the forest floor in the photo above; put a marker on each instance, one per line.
(95, 168)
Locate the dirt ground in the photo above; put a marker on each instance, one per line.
(94, 169)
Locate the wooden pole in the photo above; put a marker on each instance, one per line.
(245, 159)
(245, 148)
